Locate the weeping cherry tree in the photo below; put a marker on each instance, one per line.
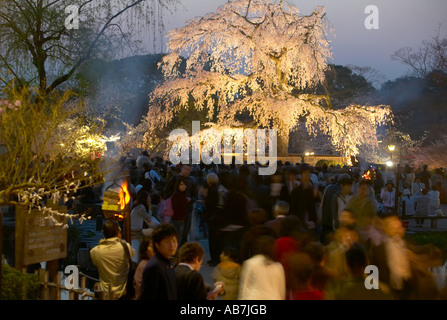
(262, 59)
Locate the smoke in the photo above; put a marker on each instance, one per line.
(118, 90)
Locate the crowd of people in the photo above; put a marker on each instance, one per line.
(303, 233)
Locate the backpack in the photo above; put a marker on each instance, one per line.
(130, 290)
(168, 211)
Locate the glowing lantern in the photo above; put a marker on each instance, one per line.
(115, 200)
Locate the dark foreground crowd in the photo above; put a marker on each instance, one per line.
(303, 233)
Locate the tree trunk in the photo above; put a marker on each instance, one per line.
(283, 145)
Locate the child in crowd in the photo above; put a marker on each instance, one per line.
(228, 271)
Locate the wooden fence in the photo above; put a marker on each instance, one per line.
(53, 290)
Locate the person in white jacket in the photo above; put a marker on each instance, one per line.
(388, 195)
(262, 278)
(141, 213)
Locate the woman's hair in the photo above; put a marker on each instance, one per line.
(264, 245)
(179, 180)
(145, 242)
(143, 197)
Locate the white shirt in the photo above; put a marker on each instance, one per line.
(409, 205)
(416, 188)
(388, 197)
(138, 216)
(262, 279)
(434, 199)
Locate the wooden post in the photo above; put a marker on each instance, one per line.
(127, 235)
(53, 267)
(18, 256)
(83, 279)
(58, 286)
(44, 293)
(71, 294)
(99, 294)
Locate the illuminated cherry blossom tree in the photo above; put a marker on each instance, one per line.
(262, 60)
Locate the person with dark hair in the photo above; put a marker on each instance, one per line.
(341, 198)
(180, 204)
(388, 195)
(262, 278)
(303, 199)
(159, 274)
(213, 215)
(146, 252)
(301, 271)
(235, 214)
(228, 271)
(134, 174)
(363, 205)
(322, 276)
(290, 183)
(327, 214)
(191, 193)
(111, 261)
(280, 211)
(425, 176)
(291, 234)
(143, 159)
(257, 218)
(190, 283)
(140, 214)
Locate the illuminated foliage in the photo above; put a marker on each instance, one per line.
(260, 59)
(46, 148)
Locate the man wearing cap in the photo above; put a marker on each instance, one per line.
(388, 195)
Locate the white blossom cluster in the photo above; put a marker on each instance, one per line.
(33, 198)
(259, 56)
